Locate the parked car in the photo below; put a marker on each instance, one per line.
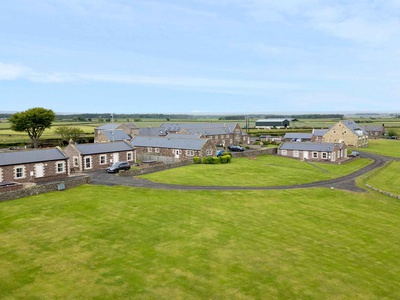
(354, 154)
(236, 148)
(117, 166)
(220, 152)
(393, 137)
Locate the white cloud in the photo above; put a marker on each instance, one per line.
(12, 72)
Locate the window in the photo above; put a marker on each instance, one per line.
(157, 150)
(75, 161)
(19, 172)
(103, 159)
(209, 152)
(1, 174)
(177, 152)
(324, 155)
(189, 153)
(60, 167)
(296, 153)
(315, 154)
(88, 162)
(129, 156)
(149, 149)
(284, 152)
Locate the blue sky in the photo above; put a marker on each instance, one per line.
(200, 56)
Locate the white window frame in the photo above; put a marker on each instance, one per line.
(105, 159)
(23, 173)
(284, 152)
(90, 162)
(149, 149)
(1, 174)
(315, 154)
(324, 155)
(75, 161)
(58, 169)
(129, 156)
(189, 152)
(157, 150)
(296, 153)
(209, 152)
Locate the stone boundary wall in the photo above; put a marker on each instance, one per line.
(383, 192)
(255, 152)
(44, 188)
(156, 168)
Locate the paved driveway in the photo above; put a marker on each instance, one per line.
(346, 182)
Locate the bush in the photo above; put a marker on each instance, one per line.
(211, 160)
(197, 160)
(224, 159)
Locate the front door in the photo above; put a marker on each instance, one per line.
(39, 172)
(115, 157)
(305, 154)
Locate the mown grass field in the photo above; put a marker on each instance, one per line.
(96, 242)
(266, 170)
(384, 147)
(387, 178)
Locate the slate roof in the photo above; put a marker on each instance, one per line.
(184, 136)
(179, 126)
(210, 131)
(98, 148)
(354, 127)
(165, 142)
(116, 135)
(299, 135)
(310, 146)
(108, 126)
(31, 156)
(152, 131)
(378, 128)
(273, 120)
(319, 132)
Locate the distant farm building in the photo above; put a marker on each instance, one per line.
(272, 123)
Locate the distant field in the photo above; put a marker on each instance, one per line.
(97, 242)
(266, 170)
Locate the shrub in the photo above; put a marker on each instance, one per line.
(211, 160)
(224, 159)
(197, 160)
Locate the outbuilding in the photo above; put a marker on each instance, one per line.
(311, 151)
(272, 123)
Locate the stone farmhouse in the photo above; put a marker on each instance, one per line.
(172, 148)
(222, 134)
(348, 132)
(33, 165)
(311, 151)
(318, 135)
(97, 156)
(115, 132)
(375, 132)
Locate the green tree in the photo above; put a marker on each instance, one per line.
(391, 132)
(67, 133)
(33, 121)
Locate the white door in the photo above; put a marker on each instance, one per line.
(305, 154)
(115, 157)
(39, 172)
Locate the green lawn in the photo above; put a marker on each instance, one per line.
(383, 147)
(387, 179)
(97, 242)
(266, 170)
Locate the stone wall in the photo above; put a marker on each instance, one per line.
(68, 183)
(156, 168)
(255, 152)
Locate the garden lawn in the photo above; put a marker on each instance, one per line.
(387, 179)
(96, 242)
(384, 147)
(266, 170)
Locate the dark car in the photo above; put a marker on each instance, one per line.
(354, 154)
(117, 166)
(236, 148)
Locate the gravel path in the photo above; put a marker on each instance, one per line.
(345, 183)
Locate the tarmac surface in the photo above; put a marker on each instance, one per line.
(346, 182)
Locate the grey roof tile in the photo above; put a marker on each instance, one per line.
(165, 142)
(97, 148)
(31, 156)
(310, 146)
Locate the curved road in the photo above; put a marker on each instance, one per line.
(346, 182)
